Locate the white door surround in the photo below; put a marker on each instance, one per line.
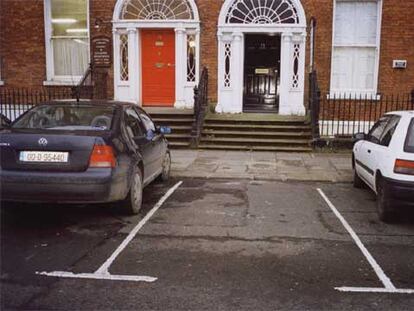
(283, 17)
(157, 17)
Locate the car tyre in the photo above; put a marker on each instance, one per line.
(384, 206)
(166, 167)
(133, 201)
(358, 182)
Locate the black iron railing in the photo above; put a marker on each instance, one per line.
(342, 115)
(15, 101)
(84, 89)
(314, 104)
(200, 107)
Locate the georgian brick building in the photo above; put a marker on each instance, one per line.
(258, 52)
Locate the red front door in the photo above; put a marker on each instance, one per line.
(158, 67)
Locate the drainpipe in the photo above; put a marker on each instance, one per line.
(312, 42)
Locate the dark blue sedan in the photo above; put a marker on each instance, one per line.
(86, 152)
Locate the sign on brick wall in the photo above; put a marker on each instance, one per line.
(102, 51)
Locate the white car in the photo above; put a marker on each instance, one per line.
(384, 160)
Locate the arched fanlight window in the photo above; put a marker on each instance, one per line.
(262, 12)
(157, 10)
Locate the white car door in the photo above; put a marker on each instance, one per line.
(370, 150)
(381, 155)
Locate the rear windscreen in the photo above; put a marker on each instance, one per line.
(409, 141)
(66, 117)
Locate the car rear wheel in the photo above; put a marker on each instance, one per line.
(166, 167)
(358, 182)
(133, 201)
(384, 206)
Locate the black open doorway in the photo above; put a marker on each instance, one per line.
(261, 73)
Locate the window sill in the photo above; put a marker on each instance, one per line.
(353, 95)
(60, 83)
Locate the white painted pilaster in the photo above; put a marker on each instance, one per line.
(116, 61)
(296, 97)
(180, 67)
(133, 65)
(237, 72)
(285, 76)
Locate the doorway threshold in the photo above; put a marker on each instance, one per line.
(167, 110)
(254, 117)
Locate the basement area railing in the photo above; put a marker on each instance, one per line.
(343, 115)
(16, 101)
(314, 104)
(85, 88)
(200, 107)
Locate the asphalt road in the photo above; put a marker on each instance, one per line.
(213, 245)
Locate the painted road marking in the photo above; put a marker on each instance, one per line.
(386, 281)
(103, 271)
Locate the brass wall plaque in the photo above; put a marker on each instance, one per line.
(262, 71)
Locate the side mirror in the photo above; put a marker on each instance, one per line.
(360, 136)
(164, 130)
(5, 123)
(140, 140)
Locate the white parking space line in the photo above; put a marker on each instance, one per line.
(386, 281)
(103, 271)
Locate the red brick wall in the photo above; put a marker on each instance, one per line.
(397, 42)
(22, 43)
(23, 52)
(103, 10)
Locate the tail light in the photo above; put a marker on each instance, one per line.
(404, 167)
(102, 156)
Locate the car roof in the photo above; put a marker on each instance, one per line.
(402, 113)
(409, 113)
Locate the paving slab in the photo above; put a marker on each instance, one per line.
(326, 167)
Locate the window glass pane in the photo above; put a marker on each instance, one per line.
(389, 131)
(58, 117)
(69, 18)
(148, 124)
(156, 10)
(70, 37)
(191, 58)
(409, 141)
(70, 56)
(366, 22)
(363, 67)
(356, 22)
(342, 68)
(133, 124)
(344, 19)
(378, 129)
(353, 68)
(123, 52)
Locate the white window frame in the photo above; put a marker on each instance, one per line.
(51, 78)
(337, 93)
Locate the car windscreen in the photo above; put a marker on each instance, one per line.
(66, 117)
(409, 141)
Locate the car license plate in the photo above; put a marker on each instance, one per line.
(43, 156)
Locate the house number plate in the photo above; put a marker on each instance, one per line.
(262, 71)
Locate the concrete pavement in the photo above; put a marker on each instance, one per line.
(323, 167)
